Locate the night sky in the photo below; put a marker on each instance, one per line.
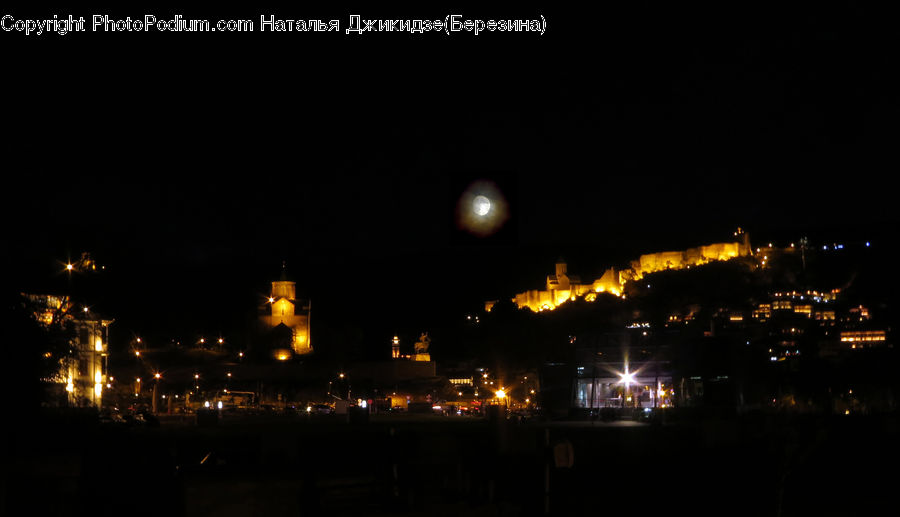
(192, 167)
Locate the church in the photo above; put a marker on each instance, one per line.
(286, 319)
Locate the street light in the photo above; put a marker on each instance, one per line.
(501, 394)
(628, 380)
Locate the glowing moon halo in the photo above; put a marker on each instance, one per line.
(481, 210)
(481, 205)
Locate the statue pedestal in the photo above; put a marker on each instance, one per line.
(422, 357)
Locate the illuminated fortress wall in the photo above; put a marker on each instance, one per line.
(562, 287)
(661, 261)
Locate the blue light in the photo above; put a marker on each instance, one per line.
(867, 244)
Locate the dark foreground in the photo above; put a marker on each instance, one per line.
(763, 465)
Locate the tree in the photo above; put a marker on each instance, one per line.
(34, 350)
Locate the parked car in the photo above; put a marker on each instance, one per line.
(322, 409)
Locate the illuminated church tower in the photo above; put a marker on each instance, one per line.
(287, 313)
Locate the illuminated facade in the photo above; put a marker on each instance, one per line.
(86, 372)
(562, 287)
(82, 372)
(285, 312)
(864, 338)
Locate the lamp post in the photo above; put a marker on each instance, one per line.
(156, 376)
(501, 394)
(627, 379)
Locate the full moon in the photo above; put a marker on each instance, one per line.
(481, 210)
(481, 205)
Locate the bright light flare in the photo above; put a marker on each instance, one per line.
(500, 394)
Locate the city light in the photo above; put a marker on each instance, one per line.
(500, 394)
